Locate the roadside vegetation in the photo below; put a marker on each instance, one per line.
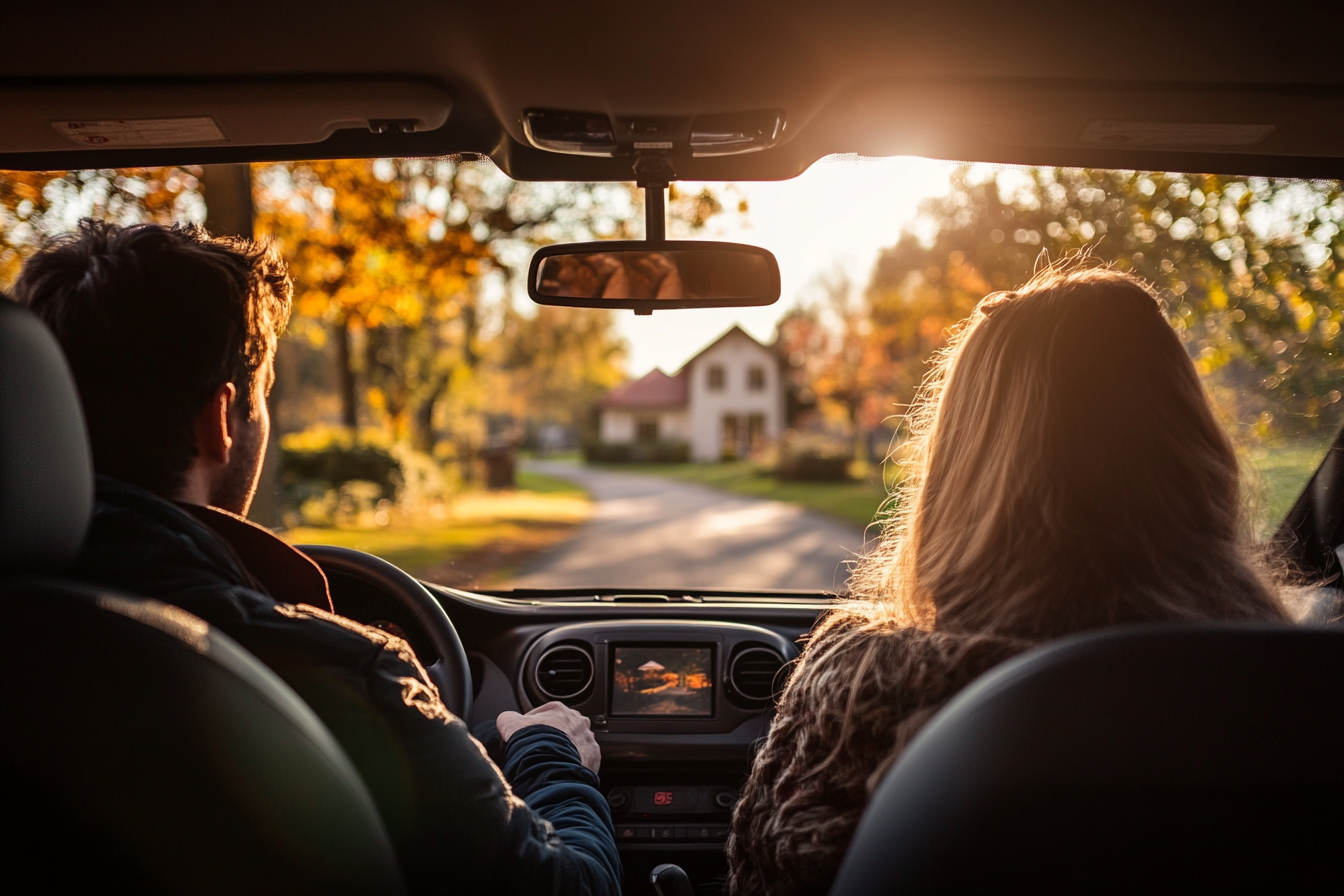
(477, 539)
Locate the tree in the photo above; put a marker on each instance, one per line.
(1250, 270)
(834, 360)
(35, 205)
(560, 361)
(365, 254)
(396, 257)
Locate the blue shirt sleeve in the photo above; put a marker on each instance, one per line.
(543, 768)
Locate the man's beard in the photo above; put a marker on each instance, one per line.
(234, 489)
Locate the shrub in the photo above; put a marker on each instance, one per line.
(329, 476)
(805, 457)
(638, 453)
(331, 458)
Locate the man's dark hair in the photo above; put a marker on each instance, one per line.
(153, 320)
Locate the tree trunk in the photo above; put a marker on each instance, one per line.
(228, 199)
(345, 373)
(422, 421)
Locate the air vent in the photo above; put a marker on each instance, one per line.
(564, 672)
(752, 673)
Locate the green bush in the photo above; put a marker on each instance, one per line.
(327, 473)
(637, 453)
(334, 465)
(805, 457)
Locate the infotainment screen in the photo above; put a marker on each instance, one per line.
(662, 681)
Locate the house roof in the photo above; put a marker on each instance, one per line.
(654, 389)
(735, 328)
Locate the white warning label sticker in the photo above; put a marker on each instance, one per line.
(142, 131)
(1172, 133)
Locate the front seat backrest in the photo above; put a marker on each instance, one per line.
(1179, 759)
(46, 476)
(143, 750)
(138, 737)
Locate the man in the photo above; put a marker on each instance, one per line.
(171, 337)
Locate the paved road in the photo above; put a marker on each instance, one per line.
(652, 532)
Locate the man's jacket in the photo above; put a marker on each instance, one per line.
(457, 823)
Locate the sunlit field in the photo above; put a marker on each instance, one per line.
(484, 539)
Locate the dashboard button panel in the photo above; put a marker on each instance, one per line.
(634, 833)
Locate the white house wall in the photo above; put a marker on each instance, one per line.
(736, 354)
(674, 426)
(619, 426)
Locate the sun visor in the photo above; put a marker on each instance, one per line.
(1170, 120)
(120, 116)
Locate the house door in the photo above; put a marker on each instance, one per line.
(729, 449)
(755, 433)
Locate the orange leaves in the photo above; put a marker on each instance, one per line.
(361, 247)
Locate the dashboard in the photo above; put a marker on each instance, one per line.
(678, 688)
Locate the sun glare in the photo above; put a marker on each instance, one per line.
(834, 217)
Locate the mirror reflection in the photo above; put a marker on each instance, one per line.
(677, 274)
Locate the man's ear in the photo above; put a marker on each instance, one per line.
(214, 426)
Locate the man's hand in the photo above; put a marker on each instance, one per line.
(556, 715)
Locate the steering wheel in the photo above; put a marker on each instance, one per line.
(450, 673)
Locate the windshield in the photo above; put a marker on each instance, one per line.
(424, 410)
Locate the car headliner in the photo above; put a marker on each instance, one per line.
(997, 82)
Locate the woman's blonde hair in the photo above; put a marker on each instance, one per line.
(1065, 471)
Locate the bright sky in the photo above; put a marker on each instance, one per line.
(840, 212)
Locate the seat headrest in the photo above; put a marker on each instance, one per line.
(46, 470)
(1183, 758)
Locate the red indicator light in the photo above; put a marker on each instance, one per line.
(662, 798)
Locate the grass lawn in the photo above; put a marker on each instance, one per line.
(482, 537)
(855, 502)
(1277, 474)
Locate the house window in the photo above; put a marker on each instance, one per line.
(756, 379)
(716, 378)
(646, 430)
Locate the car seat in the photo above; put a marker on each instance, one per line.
(142, 748)
(1192, 759)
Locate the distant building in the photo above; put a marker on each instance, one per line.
(727, 401)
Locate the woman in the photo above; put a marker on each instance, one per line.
(1065, 472)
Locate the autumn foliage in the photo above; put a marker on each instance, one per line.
(1251, 271)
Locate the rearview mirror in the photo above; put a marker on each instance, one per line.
(646, 274)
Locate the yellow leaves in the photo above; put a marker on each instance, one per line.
(1211, 358)
(319, 438)
(360, 246)
(1304, 312)
(37, 204)
(1217, 295)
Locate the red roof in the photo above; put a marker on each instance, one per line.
(654, 389)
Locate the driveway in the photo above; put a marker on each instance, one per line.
(649, 532)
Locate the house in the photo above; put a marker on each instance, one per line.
(727, 401)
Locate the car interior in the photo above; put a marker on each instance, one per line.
(1200, 758)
